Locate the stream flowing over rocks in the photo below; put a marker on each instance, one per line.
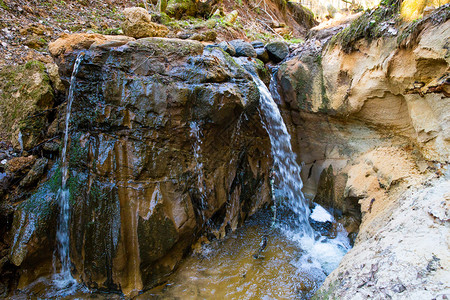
(184, 169)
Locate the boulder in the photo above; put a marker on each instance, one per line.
(80, 41)
(243, 48)
(26, 95)
(138, 109)
(228, 48)
(138, 24)
(34, 175)
(262, 54)
(277, 51)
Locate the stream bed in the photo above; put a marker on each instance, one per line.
(227, 268)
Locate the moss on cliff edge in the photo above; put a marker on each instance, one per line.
(369, 26)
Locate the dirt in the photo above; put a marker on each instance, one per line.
(28, 26)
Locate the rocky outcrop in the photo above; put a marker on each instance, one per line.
(166, 145)
(368, 125)
(26, 97)
(138, 24)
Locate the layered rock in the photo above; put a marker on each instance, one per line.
(166, 144)
(368, 125)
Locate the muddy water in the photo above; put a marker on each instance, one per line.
(226, 269)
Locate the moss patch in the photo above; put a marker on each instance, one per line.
(25, 95)
(369, 26)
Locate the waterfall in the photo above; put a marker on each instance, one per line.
(320, 254)
(64, 278)
(196, 136)
(286, 171)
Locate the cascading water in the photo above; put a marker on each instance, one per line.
(288, 184)
(196, 135)
(64, 278)
(320, 254)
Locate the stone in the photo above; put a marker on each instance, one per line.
(140, 227)
(363, 130)
(262, 54)
(35, 42)
(243, 48)
(231, 17)
(184, 35)
(53, 74)
(138, 24)
(180, 8)
(20, 164)
(26, 96)
(277, 51)
(35, 174)
(257, 44)
(228, 48)
(79, 41)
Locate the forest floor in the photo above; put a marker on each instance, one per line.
(27, 26)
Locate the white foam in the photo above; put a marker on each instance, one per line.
(319, 214)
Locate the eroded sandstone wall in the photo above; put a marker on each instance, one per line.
(371, 128)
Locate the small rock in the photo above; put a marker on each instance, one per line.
(52, 71)
(399, 288)
(277, 51)
(231, 17)
(228, 48)
(197, 37)
(243, 48)
(35, 173)
(138, 24)
(35, 42)
(262, 54)
(210, 36)
(183, 35)
(52, 147)
(20, 164)
(257, 44)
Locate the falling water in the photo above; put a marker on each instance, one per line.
(320, 254)
(64, 278)
(20, 139)
(196, 135)
(288, 184)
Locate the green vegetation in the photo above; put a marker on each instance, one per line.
(325, 294)
(3, 5)
(41, 203)
(369, 26)
(441, 15)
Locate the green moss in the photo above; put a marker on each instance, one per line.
(412, 31)
(23, 102)
(369, 26)
(3, 5)
(77, 153)
(327, 294)
(42, 202)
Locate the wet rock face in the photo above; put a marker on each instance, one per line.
(166, 144)
(26, 95)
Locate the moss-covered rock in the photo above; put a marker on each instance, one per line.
(25, 96)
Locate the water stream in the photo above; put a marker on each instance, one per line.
(64, 278)
(296, 259)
